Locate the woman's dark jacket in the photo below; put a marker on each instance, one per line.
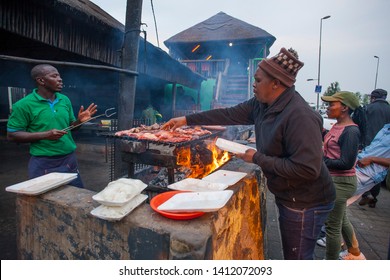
(289, 146)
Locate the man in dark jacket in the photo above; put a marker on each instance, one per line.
(377, 114)
(289, 150)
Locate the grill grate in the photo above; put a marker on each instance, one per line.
(164, 143)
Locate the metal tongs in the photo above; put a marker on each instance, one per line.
(107, 114)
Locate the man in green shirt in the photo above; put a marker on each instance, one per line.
(39, 119)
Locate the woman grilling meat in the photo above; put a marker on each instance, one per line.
(292, 162)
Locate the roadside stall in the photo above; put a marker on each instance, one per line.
(220, 215)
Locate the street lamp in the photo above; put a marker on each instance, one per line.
(377, 66)
(318, 88)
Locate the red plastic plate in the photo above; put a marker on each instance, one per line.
(161, 198)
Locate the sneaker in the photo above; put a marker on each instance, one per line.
(343, 254)
(349, 256)
(365, 200)
(321, 242)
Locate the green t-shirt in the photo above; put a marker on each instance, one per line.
(34, 113)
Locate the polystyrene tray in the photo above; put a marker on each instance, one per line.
(226, 177)
(42, 184)
(159, 199)
(111, 213)
(196, 201)
(231, 146)
(119, 192)
(197, 185)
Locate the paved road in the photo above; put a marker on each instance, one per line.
(372, 226)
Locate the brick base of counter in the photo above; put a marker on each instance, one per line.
(58, 225)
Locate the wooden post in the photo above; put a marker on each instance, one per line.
(127, 86)
(174, 91)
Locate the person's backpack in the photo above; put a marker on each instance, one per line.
(359, 116)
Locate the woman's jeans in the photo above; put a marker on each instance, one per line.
(300, 229)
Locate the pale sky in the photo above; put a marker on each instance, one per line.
(357, 31)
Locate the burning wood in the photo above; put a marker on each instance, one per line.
(201, 159)
(161, 180)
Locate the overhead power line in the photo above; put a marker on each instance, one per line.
(155, 23)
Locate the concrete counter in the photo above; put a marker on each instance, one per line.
(58, 225)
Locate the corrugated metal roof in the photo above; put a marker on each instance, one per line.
(81, 31)
(93, 10)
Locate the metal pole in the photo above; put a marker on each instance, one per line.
(68, 63)
(377, 66)
(319, 63)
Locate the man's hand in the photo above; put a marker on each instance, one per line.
(174, 123)
(85, 115)
(54, 134)
(364, 161)
(248, 156)
(378, 160)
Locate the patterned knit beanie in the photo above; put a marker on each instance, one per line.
(284, 66)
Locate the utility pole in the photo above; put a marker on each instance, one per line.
(319, 87)
(377, 67)
(127, 86)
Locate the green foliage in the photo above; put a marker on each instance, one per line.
(335, 87)
(365, 99)
(332, 89)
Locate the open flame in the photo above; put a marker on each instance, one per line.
(201, 159)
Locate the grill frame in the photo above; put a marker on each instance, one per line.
(149, 155)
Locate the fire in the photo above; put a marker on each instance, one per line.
(201, 159)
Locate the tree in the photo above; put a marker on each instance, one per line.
(365, 99)
(332, 89)
(335, 87)
(362, 98)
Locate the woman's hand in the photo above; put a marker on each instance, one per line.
(174, 123)
(248, 156)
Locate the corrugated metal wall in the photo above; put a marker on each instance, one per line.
(30, 19)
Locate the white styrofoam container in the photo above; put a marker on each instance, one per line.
(196, 201)
(197, 185)
(111, 213)
(42, 184)
(226, 177)
(119, 192)
(231, 146)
